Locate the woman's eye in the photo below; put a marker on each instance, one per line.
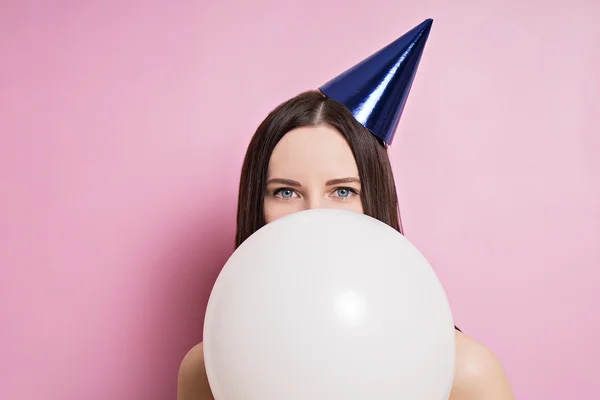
(344, 193)
(285, 193)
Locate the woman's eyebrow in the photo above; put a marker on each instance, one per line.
(287, 182)
(339, 181)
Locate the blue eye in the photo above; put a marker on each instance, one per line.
(344, 193)
(285, 193)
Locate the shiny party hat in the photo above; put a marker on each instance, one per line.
(375, 90)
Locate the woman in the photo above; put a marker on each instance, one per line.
(310, 152)
(328, 149)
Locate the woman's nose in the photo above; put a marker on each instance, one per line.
(313, 202)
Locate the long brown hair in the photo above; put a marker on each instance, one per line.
(378, 191)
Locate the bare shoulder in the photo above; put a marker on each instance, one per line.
(192, 383)
(478, 374)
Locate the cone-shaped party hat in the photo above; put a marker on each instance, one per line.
(375, 90)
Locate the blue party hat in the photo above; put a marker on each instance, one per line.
(375, 90)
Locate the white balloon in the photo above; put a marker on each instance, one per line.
(329, 305)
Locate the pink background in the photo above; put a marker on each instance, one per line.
(123, 128)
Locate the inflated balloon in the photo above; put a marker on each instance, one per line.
(331, 305)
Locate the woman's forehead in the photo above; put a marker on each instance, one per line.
(312, 152)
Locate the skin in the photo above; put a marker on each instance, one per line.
(313, 167)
